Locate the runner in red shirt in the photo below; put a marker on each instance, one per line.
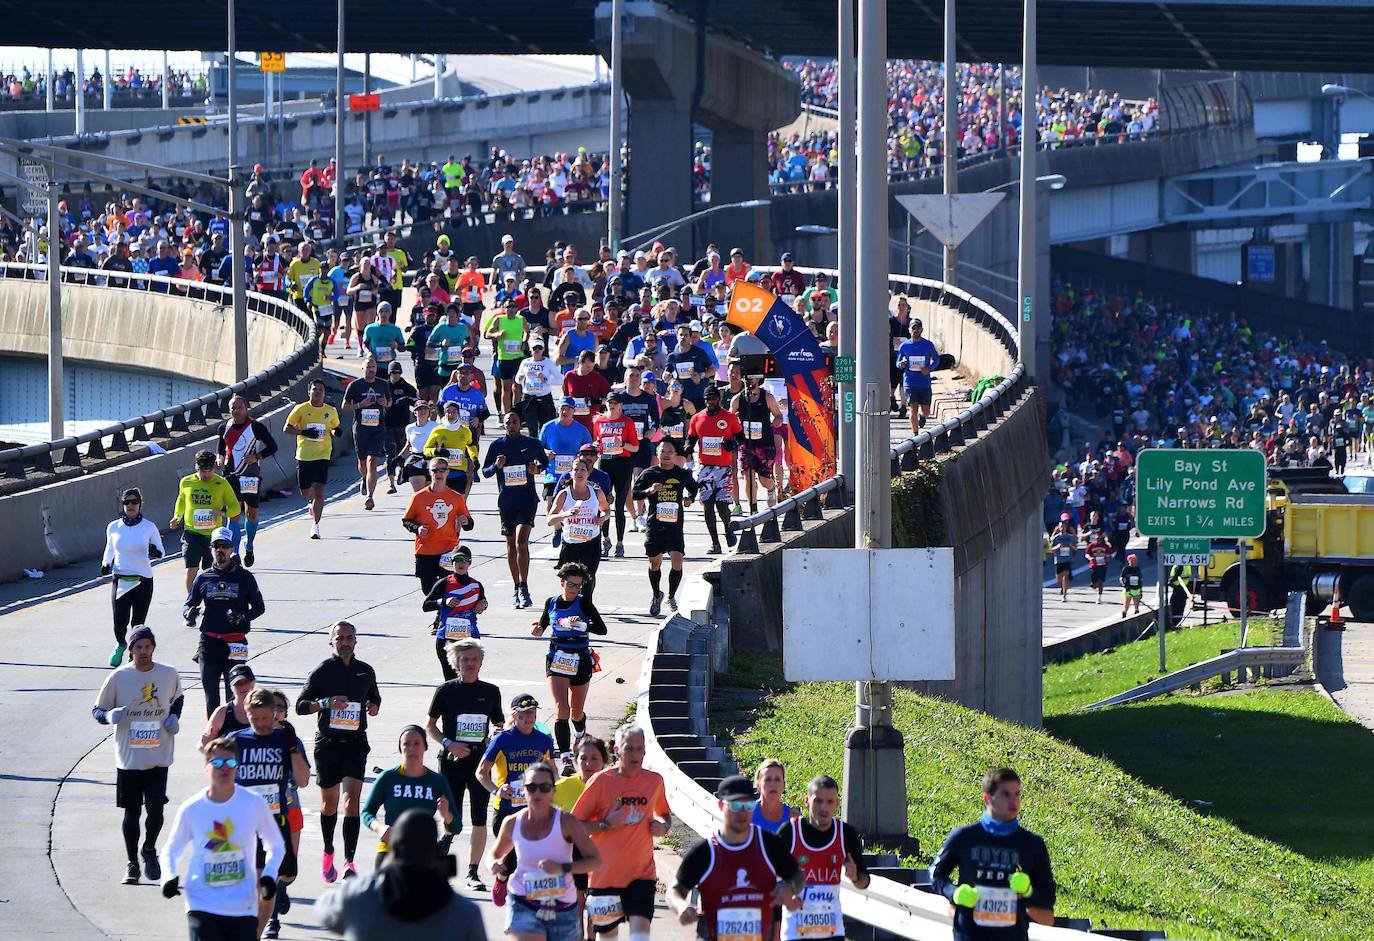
(1099, 553)
(618, 440)
(716, 434)
(587, 388)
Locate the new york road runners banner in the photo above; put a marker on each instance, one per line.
(810, 383)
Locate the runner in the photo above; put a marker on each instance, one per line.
(434, 516)
(669, 490)
(1005, 878)
(270, 759)
(447, 340)
(472, 401)
(1099, 554)
(403, 400)
(143, 702)
(770, 780)
(535, 377)
(312, 423)
(232, 602)
(1132, 585)
(570, 661)
(233, 715)
(677, 414)
(741, 873)
(625, 809)
(458, 599)
(617, 441)
(205, 502)
(825, 848)
(917, 357)
(223, 899)
(365, 291)
(452, 440)
(517, 460)
(242, 443)
(590, 756)
(543, 839)
(641, 405)
(758, 412)
(295, 816)
(508, 754)
(579, 512)
(1063, 542)
(368, 398)
(412, 457)
(383, 339)
(409, 784)
(718, 433)
(509, 331)
(131, 545)
(562, 438)
(343, 692)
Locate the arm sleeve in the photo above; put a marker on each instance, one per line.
(489, 462)
(544, 616)
(108, 557)
(693, 867)
(155, 539)
(375, 798)
(943, 867)
(595, 625)
(269, 443)
(1043, 888)
(105, 699)
(640, 490)
(176, 843)
(854, 845)
(256, 605)
(431, 603)
(373, 693)
(309, 694)
(780, 855)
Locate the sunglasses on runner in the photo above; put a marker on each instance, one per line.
(133, 502)
(224, 762)
(741, 806)
(539, 788)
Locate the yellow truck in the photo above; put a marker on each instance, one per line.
(1317, 537)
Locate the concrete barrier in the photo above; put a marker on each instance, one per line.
(140, 330)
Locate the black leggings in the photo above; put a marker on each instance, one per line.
(441, 651)
(205, 926)
(132, 608)
(621, 470)
(395, 442)
(130, 828)
(588, 554)
(214, 675)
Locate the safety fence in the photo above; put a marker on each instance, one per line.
(38, 464)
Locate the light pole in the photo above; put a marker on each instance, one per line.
(238, 278)
(57, 409)
(950, 150)
(1029, 248)
(339, 130)
(641, 239)
(847, 243)
(613, 198)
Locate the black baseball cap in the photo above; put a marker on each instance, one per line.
(523, 703)
(737, 787)
(241, 672)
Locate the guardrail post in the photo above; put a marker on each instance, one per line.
(215, 409)
(160, 428)
(179, 422)
(141, 432)
(748, 541)
(42, 463)
(908, 461)
(834, 499)
(926, 450)
(769, 531)
(14, 470)
(95, 451)
(119, 442)
(811, 510)
(71, 457)
(196, 416)
(791, 521)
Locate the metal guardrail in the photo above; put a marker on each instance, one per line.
(18, 463)
(1239, 660)
(787, 515)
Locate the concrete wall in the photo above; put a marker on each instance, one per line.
(140, 329)
(65, 522)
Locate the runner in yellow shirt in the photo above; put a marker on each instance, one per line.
(300, 271)
(205, 502)
(313, 423)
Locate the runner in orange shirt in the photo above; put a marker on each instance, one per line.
(469, 289)
(625, 809)
(434, 516)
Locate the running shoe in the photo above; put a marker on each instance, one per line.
(475, 882)
(368, 504)
(327, 867)
(557, 538)
(117, 657)
(151, 868)
(566, 760)
(656, 606)
(348, 344)
(643, 521)
(315, 531)
(130, 873)
(283, 898)
(737, 510)
(605, 549)
(273, 929)
(392, 487)
(362, 487)
(672, 604)
(516, 601)
(620, 550)
(498, 893)
(525, 595)
(714, 550)
(248, 558)
(634, 524)
(350, 871)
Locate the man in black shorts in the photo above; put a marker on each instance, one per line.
(368, 399)
(516, 460)
(343, 692)
(461, 717)
(669, 490)
(243, 443)
(312, 423)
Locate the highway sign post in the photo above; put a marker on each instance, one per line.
(272, 61)
(1212, 494)
(32, 201)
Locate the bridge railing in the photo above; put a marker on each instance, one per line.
(768, 525)
(91, 450)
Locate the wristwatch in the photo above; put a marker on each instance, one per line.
(567, 868)
(446, 741)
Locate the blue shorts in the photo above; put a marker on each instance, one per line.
(917, 395)
(369, 442)
(522, 919)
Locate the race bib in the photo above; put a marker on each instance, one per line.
(472, 296)
(248, 485)
(605, 910)
(371, 417)
(223, 870)
(204, 519)
(518, 797)
(667, 512)
(431, 354)
(684, 369)
(364, 297)
(324, 309)
(470, 727)
(897, 344)
(516, 476)
(564, 663)
(540, 886)
(1065, 553)
(562, 463)
(674, 431)
(347, 719)
(753, 429)
(145, 734)
(384, 354)
(319, 429)
(458, 626)
(582, 532)
(996, 907)
(819, 916)
(581, 407)
(712, 445)
(1133, 581)
(270, 793)
(511, 346)
(640, 428)
(739, 924)
(611, 445)
(238, 651)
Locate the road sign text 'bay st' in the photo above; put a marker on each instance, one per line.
(1213, 493)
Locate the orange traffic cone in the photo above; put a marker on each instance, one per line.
(1334, 621)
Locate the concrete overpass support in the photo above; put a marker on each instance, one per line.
(674, 73)
(1331, 271)
(739, 171)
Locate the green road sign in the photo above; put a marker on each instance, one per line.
(844, 369)
(848, 406)
(1186, 551)
(1213, 493)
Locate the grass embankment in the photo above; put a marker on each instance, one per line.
(1282, 848)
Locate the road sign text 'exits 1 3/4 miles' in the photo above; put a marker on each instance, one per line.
(1218, 494)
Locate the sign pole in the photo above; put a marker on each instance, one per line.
(1162, 619)
(1244, 595)
(57, 385)
(339, 130)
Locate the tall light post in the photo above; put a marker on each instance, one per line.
(56, 379)
(339, 130)
(950, 150)
(613, 199)
(847, 242)
(1029, 249)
